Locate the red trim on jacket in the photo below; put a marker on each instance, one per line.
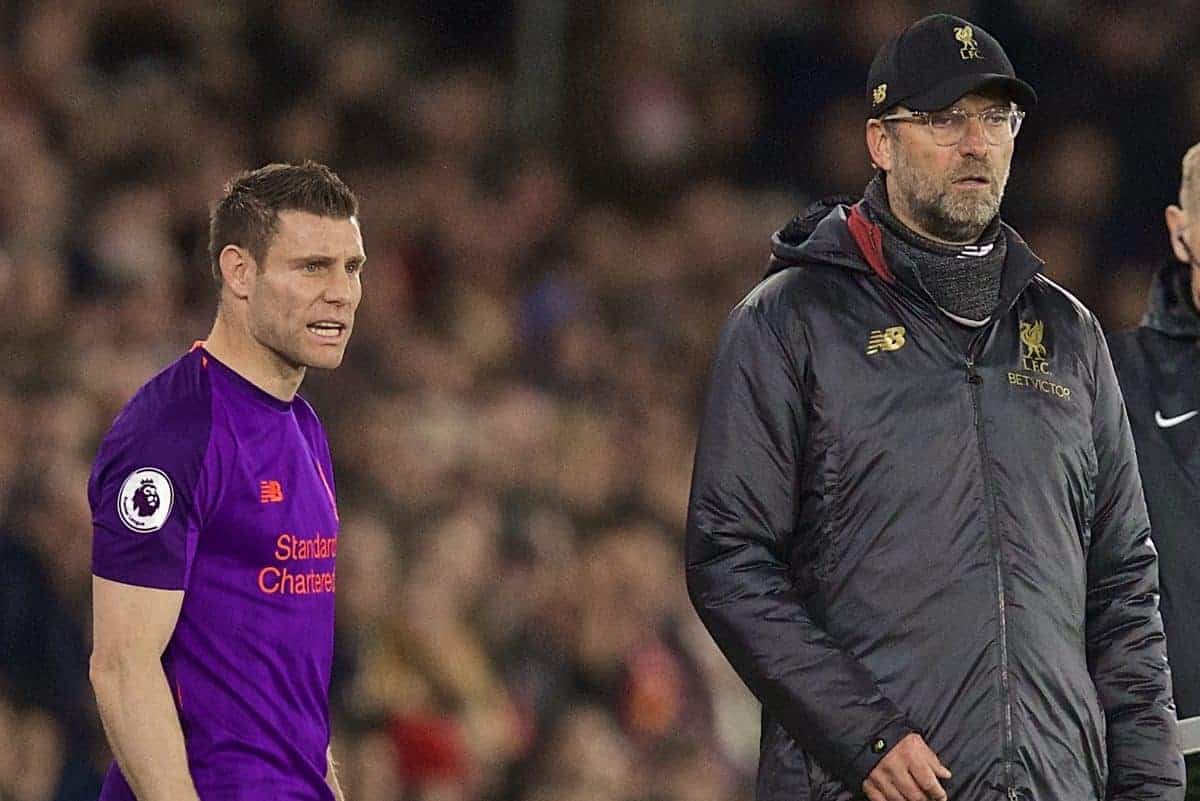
(869, 238)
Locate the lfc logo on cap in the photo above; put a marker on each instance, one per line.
(969, 50)
(879, 94)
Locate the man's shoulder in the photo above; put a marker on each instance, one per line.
(304, 411)
(309, 421)
(172, 412)
(1146, 355)
(1061, 300)
(799, 286)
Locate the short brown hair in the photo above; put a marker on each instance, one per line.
(248, 213)
(1189, 187)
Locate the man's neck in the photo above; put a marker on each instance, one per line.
(964, 280)
(231, 343)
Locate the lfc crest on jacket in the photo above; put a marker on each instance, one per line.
(1033, 352)
(1035, 362)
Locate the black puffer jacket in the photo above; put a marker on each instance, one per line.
(887, 534)
(1158, 365)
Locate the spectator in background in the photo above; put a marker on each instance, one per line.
(915, 512)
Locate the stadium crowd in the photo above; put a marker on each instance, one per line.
(514, 425)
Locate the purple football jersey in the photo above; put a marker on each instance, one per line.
(208, 484)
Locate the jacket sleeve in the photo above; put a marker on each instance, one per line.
(1125, 645)
(740, 531)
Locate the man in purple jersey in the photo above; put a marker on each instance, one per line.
(215, 524)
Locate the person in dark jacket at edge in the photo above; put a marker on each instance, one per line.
(1158, 365)
(916, 526)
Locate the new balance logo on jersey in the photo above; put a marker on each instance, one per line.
(886, 339)
(270, 492)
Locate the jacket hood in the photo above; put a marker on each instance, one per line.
(1170, 309)
(819, 234)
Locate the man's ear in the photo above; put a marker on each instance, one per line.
(238, 269)
(1176, 226)
(880, 144)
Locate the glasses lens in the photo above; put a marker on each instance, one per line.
(999, 126)
(949, 127)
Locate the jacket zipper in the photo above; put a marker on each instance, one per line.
(975, 379)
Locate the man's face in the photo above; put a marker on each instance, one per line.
(951, 192)
(307, 287)
(1189, 238)
(1183, 223)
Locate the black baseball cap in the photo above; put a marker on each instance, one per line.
(937, 60)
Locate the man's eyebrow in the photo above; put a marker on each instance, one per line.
(327, 261)
(999, 105)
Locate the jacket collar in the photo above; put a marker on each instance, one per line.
(1021, 264)
(845, 236)
(1170, 309)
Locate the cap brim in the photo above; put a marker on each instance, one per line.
(948, 91)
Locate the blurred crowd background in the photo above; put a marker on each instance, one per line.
(560, 202)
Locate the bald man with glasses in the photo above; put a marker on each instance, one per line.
(916, 526)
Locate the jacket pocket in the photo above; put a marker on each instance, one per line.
(782, 765)
(1090, 470)
(823, 786)
(832, 544)
(1100, 757)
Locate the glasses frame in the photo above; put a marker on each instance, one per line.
(925, 117)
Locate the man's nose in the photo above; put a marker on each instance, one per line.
(973, 141)
(337, 288)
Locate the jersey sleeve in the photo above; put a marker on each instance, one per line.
(146, 490)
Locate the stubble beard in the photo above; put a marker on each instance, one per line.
(293, 353)
(285, 350)
(944, 213)
(287, 354)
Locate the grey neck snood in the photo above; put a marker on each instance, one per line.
(964, 280)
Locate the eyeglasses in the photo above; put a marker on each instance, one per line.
(1000, 125)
